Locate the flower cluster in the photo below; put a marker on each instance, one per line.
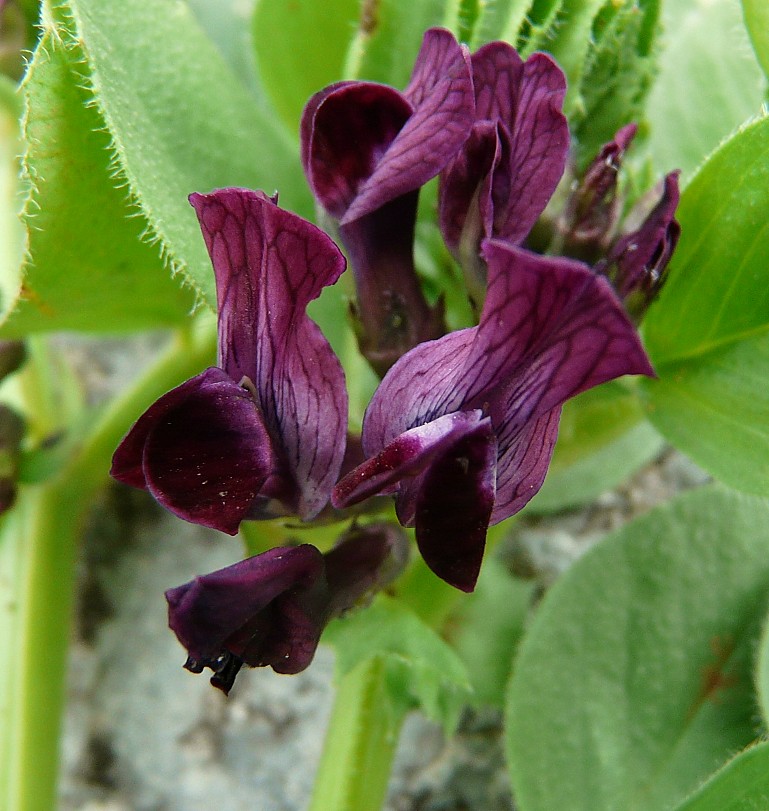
(462, 426)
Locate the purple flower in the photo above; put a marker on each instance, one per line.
(270, 610)
(586, 226)
(366, 150)
(461, 429)
(636, 260)
(262, 433)
(501, 180)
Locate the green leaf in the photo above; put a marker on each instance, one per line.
(565, 31)
(762, 674)
(603, 438)
(388, 39)
(756, 14)
(180, 120)
(706, 66)
(300, 48)
(499, 19)
(619, 68)
(421, 669)
(742, 785)
(487, 627)
(227, 24)
(634, 681)
(716, 409)
(708, 335)
(87, 267)
(716, 293)
(12, 242)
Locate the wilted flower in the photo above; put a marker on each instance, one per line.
(262, 433)
(462, 429)
(270, 610)
(367, 149)
(501, 180)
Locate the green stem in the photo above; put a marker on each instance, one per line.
(37, 569)
(360, 743)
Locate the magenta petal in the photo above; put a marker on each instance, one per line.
(454, 506)
(269, 265)
(407, 455)
(205, 612)
(441, 93)
(206, 451)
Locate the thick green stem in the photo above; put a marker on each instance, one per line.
(40, 541)
(360, 744)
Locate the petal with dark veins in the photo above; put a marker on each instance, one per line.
(269, 265)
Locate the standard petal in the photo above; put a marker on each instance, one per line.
(352, 127)
(454, 505)
(539, 136)
(208, 610)
(550, 328)
(269, 265)
(206, 451)
(407, 455)
(441, 94)
(497, 75)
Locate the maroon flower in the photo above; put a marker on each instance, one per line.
(503, 177)
(636, 260)
(462, 429)
(366, 149)
(263, 433)
(270, 610)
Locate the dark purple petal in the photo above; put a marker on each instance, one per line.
(205, 451)
(539, 137)
(351, 129)
(265, 610)
(497, 77)
(441, 94)
(308, 121)
(205, 612)
(364, 560)
(523, 462)
(391, 310)
(454, 506)
(407, 455)
(269, 265)
(549, 329)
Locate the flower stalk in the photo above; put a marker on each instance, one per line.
(39, 545)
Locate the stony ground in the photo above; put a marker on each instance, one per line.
(142, 734)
